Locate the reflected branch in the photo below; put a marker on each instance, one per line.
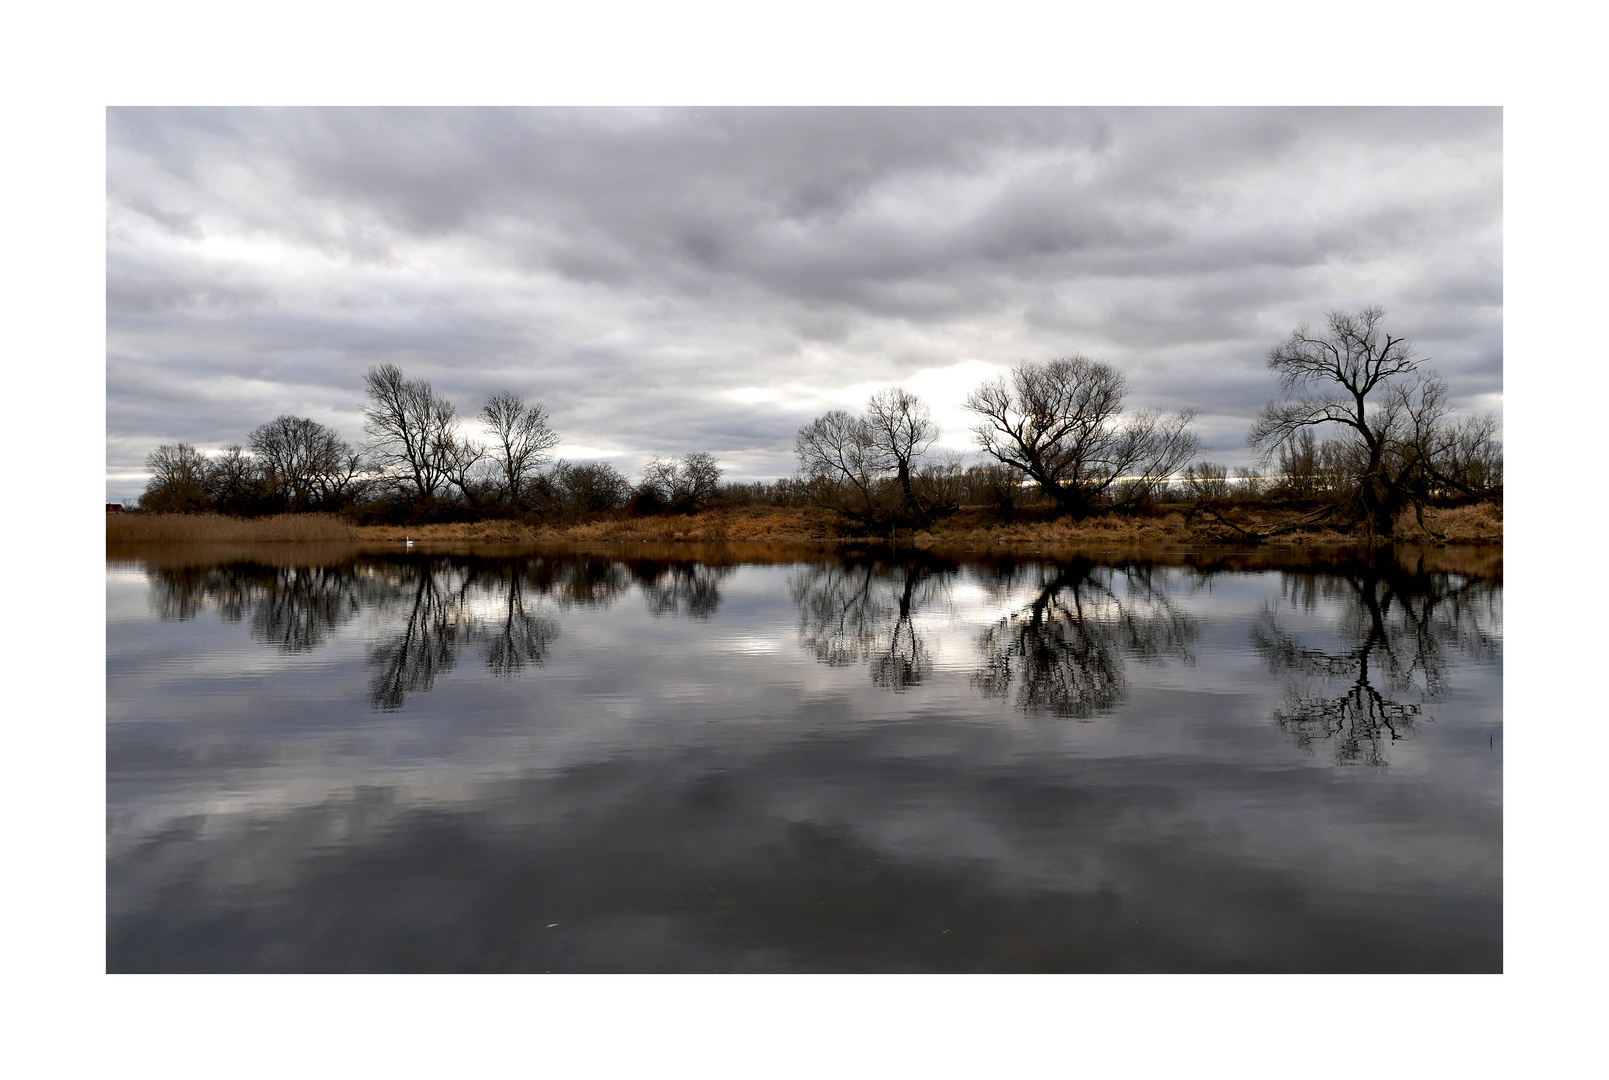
(1063, 653)
(1398, 634)
(863, 612)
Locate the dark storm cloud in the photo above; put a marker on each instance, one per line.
(674, 280)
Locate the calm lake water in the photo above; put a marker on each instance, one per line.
(767, 760)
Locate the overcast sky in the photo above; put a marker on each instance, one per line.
(674, 280)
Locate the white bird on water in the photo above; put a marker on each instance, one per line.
(405, 540)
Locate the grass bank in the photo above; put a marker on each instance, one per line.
(971, 529)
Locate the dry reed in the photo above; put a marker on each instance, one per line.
(1481, 524)
(215, 528)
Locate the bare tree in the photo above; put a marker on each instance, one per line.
(685, 485)
(866, 466)
(178, 483)
(590, 486)
(840, 464)
(1466, 458)
(1207, 481)
(304, 465)
(1061, 424)
(901, 430)
(1355, 376)
(1250, 483)
(233, 483)
(521, 439)
(414, 431)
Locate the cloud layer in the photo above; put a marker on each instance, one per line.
(666, 281)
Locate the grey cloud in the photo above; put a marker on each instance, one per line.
(628, 266)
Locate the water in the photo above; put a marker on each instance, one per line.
(798, 761)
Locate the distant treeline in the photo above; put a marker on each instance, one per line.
(1360, 434)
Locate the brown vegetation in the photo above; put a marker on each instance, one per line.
(216, 528)
(972, 528)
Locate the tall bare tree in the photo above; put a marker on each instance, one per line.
(414, 432)
(1061, 424)
(840, 465)
(901, 430)
(1356, 377)
(521, 439)
(866, 466)
(303, 464)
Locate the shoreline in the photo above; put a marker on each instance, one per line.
(971, 528)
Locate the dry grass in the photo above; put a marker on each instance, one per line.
(214, 528)
(1481, 524)
(729, 524)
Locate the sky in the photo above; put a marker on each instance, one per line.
(673, 280)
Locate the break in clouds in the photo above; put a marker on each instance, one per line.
(669, 281)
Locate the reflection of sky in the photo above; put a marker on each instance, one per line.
(244, 785)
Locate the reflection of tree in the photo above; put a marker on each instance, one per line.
(682, 589)
(522, 637)
(454, 603)
(410, 660)
(1064, 652)
(862, 611)
(295, 608)
(1399, 632)
(431, 608)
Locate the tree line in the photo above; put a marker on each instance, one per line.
(1361, 429)
(418, 464)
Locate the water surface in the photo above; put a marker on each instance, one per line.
(323, 760)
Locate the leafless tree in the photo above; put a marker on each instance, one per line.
(840, 464)
(866, 466)
(589, 486)
(521, 439)
(178, 481)
(1250, 483)
(1355, 376)
(414, 432)
(901, 430)
(1466, 457)
(233, 484)
(303, 464)
(684, 484)
(1207, 482)
(1061, 424)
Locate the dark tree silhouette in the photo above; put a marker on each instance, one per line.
(684, 485)
(414, 432)
(1398, 444)
(303, 465)
(521, 439)
(178, 483)
(1061, 424)
(865, 467)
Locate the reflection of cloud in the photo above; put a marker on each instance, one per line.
(685, 867)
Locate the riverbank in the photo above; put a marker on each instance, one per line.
(972, 528)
